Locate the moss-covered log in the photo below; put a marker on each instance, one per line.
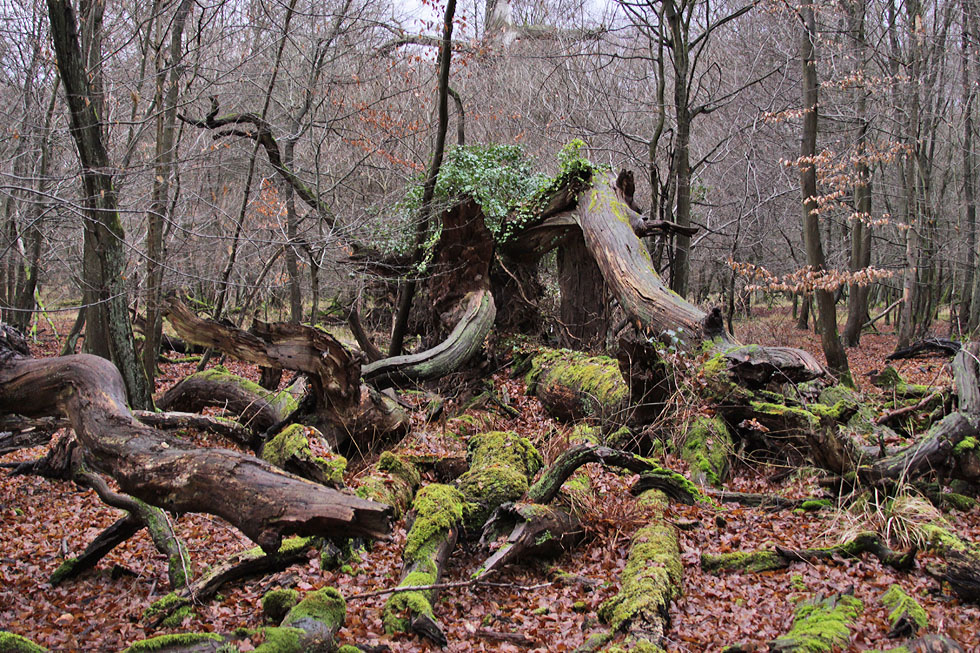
(906, 616)
(393, 482)
(706, 449)
(448, 356)
(309, 627)
(252, 405)
(574, 386)
(13, 643)
(502, 465)
(651, 579)
(781, 557)
(438, 516)
(550, 482)
(820, 624)
(295, 449)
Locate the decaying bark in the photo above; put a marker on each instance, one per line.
(249, 493)
(335, 402)
(457, 349)
(533, 530)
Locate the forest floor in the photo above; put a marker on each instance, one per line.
(44, 521)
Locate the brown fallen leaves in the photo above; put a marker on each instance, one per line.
(43, 521)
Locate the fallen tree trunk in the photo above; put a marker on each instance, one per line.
(650, 581)
(249, 493)
(254, 407)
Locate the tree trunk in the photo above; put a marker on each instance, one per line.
(105, 240)
(165, 164)
(832, 349)
(584, 312)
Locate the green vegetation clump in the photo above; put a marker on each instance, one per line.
(821, 625)
(12, 643)
(64, 570)
(402, 604)
(276, 603)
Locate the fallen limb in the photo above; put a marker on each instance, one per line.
(457, 349)
(227, 428)
(438, 517)
(66, 461)
(781, 557)
(650, 580)
(243, 564)
(574, 386)
(533, 530)
(249, 493)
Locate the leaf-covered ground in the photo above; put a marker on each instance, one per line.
(43, 522)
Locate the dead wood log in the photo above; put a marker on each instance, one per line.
(254, 407)
(65, 461)
(393, 482)
(437, 515)
(335, 403)
(927, 347)
(575, 386)
(820, 624)
(170, 421)
(251, 494)
(781, 557)
(502, 465)
(309, 627)
(244, 564)
(650, 580)
(456, 350)
(532, 530)
(18, 432)
(549, 483)
(939, 451)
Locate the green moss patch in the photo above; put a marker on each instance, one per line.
(706, 449)
(438, 508)
(502, 465)
(164, 642)
(11, 643)
(596, 382)
(393, 483)
(905, 613)
(755, 561)
(291, 449)
(821, 625)
(278, 602)
(326, 606)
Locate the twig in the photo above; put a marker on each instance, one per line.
(442, 586)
